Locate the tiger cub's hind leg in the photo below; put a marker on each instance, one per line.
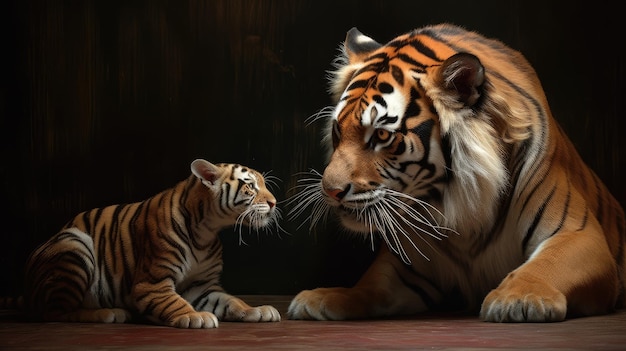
(101, 315)
(58, 276)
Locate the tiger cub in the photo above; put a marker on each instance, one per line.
(159, 259)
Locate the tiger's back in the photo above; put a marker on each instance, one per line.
(158, 259)
(548, 187)
(539, 147)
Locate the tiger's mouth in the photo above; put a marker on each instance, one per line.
(355, 211)
(360, 201)
(262, 209)
(257, 216)
(399, 219)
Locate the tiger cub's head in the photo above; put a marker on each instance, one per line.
(419, 132)
(240, 194)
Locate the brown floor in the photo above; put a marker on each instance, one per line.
(442, 331)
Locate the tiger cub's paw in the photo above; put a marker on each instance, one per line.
(238, 311)
(194, 320)
(263, 313)
(524, 301)
(117, 315)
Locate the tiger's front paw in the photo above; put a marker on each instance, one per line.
(194, 320)
(520, 300)
(327, 304)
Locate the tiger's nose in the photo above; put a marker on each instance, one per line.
(337, 194)
(271, 203)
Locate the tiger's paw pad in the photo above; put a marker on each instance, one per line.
(503, 306)
(195, 320)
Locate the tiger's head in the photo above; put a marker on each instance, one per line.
(240, 195)
(420, 131)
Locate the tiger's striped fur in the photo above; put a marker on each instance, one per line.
(443, 144)
(158, 259)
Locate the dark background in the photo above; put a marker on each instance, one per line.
(106, 102)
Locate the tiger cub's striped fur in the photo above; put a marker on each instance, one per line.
(443, 144)
(158, 259)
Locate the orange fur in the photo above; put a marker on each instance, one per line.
(444, 146)
(159, 259)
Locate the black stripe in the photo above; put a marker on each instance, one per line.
(565, 209)
(397, 74)
(534, 174)
(379, 99)
(428, 300)
(537, 219)
(413, 108)
(424, 50)
(388, 119)
(362, 83)
(408, 59)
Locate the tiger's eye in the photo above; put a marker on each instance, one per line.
(382, 135)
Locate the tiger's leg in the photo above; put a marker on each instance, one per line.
(160, 303)
(571, 272)
(381, 291)
(233, 309)
(100, 315)
(59, 275)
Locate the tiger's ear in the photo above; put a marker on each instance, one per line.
(462, 76)
(207, 172)
(359, 46)
(354, 50)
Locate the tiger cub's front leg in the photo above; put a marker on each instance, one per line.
(161, 304)
(233, 309)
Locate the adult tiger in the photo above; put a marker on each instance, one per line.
(443, 144)
(159, 259)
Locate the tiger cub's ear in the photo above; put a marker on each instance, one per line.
(462, 76)
(207, 172)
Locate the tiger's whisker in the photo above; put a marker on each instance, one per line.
(424, 204)
(417, 215)
(323, 114)
(410, 213)
(392, 223)
(405, 233)
(309, 195)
